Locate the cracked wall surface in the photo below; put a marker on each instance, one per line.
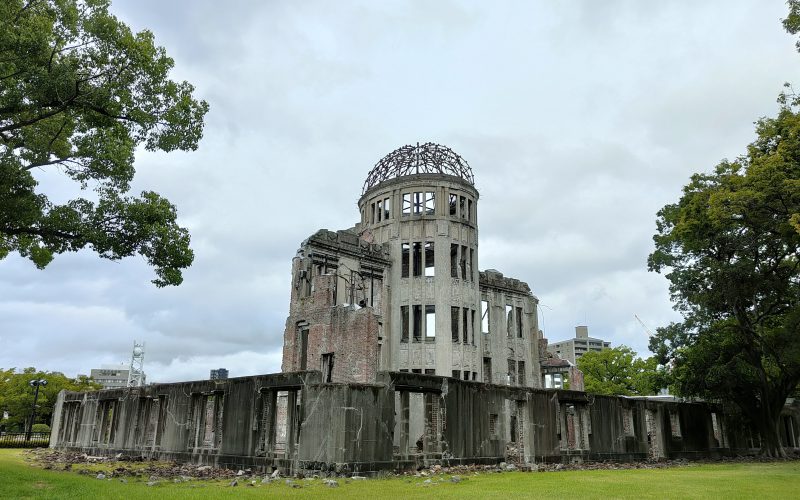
(294, 422)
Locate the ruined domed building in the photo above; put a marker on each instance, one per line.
(401, 291)
(398, 352)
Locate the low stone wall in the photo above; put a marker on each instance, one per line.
(294, 422)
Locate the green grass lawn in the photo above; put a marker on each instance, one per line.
(19, 479)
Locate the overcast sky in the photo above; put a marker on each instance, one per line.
(579, 119)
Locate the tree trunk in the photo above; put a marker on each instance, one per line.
(770, 437)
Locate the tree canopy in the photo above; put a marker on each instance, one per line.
(619, 371)
(731, 251)
(16, 395)
(79, 92)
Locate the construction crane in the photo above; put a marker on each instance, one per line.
(649, 332)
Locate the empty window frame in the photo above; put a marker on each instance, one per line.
(471, 264)
(454, 317)
(372, 213)
(453, 204)
(404, 260)
(487, 370)
(379, 210)
(509, 320)
(419, 202)
(521, 379)
(430, 322)
(456, 373)
(462, 207)
(303, 346)
(430, 203)
(417, 322)
(429, 254)
(387, 208)
(519, 322)
(463, 262)
(484, 317)
(327, 367)
(511, 374)
(472, 325)
(406, 204)
(404, 323)
(416, 258)
(453, 260)
(465, 317)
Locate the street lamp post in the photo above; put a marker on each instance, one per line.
(36, 384)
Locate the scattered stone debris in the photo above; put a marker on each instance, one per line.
(101, 476)
(331, 483)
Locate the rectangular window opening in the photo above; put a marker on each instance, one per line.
(404, 260)
(419, 202)
(387, 208)
(453, 205)
(429, 254)
(327, 367)
(404, 322)
(454, 316)
(379, 207)
(509, 320)
(453, 260)
(519, 322)
(417, 322)
(430, 203)
(465, 317)
(406, 204)
(417, 258)
(487, 370)
(463, 262)
(484, 317)
(462, 207)
(472, 325)
(430, 322)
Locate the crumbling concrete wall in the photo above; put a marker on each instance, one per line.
(294, 422)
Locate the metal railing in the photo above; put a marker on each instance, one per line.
(18, 440)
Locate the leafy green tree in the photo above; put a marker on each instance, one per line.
(16, 395)
(732, 255)
(618, 371)
(79, 92)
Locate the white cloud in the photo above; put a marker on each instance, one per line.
(580, 120)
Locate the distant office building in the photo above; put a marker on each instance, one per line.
(219, 374)
(572, 349)
(112, 376)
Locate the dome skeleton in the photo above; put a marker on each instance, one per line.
(428, 158)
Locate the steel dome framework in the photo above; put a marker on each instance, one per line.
(428, 158)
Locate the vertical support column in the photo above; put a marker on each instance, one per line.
(291, 424)
(270, 409)
(405, 422)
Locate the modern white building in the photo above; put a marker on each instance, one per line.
(572, 349)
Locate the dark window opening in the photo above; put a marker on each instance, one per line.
(453, 260)
(471, 264)
(521, 373)
(513, 426)
(493, 425)
(372, 213)
(417, 319)
(456, 373)
(454, 316)
(465, 317)
(379, 207)
(487, 370)
(303, 348)
(462, 207)
(453, 204)
(430, 371)
(404, 322)
(417, 258)
(472, 325)
(404, 258)
(387, 208)
(463, 262)
(327, 367)
(519, 322)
